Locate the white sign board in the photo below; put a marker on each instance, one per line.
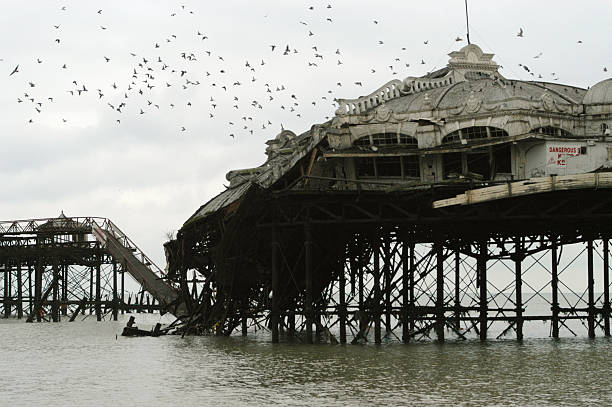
(558, 154)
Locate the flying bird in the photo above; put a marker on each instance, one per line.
(520, 33)
(15, 70)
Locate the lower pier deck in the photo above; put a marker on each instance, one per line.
(367, 266)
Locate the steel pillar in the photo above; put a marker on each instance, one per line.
(554, 284)
(274, 315)
(342, 303)
(405, 293)
(19, 292)
(115, 296)
(606, 288)
(377, 294)
(518, 282)
(482, 275)
(440, 321)
(457, 290)
(308, 283)
(591, 292)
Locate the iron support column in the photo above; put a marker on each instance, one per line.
(457, 292)
(19, 292)
(518, 282)
(387, 276)
(123, 289)
(554, 284)
(55, 303)
(342, 299)
(439, 250)
(405, 298)
(98, 287)
(7, 290)
(308, 283)
(606, 288)
(115, 297)
(482, 275)
(591, 293)
(377, 294)
(274, 317)
(38, 272)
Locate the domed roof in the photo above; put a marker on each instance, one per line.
(487, 91)
(600, 93)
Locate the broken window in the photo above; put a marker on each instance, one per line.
(365, 167)
(452, 165)
(395, 166)
(473, 133)
(386, 139)
(552, 131)
(388, 166)
(410, 165)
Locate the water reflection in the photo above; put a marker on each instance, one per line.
(85, 364)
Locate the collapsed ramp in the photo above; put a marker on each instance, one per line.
(139, 266)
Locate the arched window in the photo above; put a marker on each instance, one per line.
(552, 131)
(603, 128)
(387, 139)
(473, 133)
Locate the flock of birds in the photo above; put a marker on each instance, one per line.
(150, 75)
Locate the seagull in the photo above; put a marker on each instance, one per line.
(520, 33)
(458, 39)
(15, 70)
(539, 55)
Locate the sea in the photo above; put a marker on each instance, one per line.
(89, 363)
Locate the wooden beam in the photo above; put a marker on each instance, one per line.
(529, 187)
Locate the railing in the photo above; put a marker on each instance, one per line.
(109, 227)
(77, 225)
(31, 226)
(390, 90)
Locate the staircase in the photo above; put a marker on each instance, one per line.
(135, 262)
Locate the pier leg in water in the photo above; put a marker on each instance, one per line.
(308, 276)
(482, 275)
(388, 276)
(377, 295)
(518, 281)
(55, 293)
(91, 290)
(457, 290)
(122, 289)
(19, 291)
(98, 288)
(115, 297)
(606, 278)
(439, 250)
(38, 272)
(405, 272)
(30, 296)
(7, 290)
(342, 303)
(554, 283)
(274, 317)
(591, 292)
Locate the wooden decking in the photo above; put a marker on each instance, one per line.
(529, 187)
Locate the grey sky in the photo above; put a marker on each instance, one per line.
(146, 174)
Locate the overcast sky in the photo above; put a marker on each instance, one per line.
(149, 175)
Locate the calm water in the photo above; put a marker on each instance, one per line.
(84, 364)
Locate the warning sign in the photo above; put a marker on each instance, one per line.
(558, 154)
